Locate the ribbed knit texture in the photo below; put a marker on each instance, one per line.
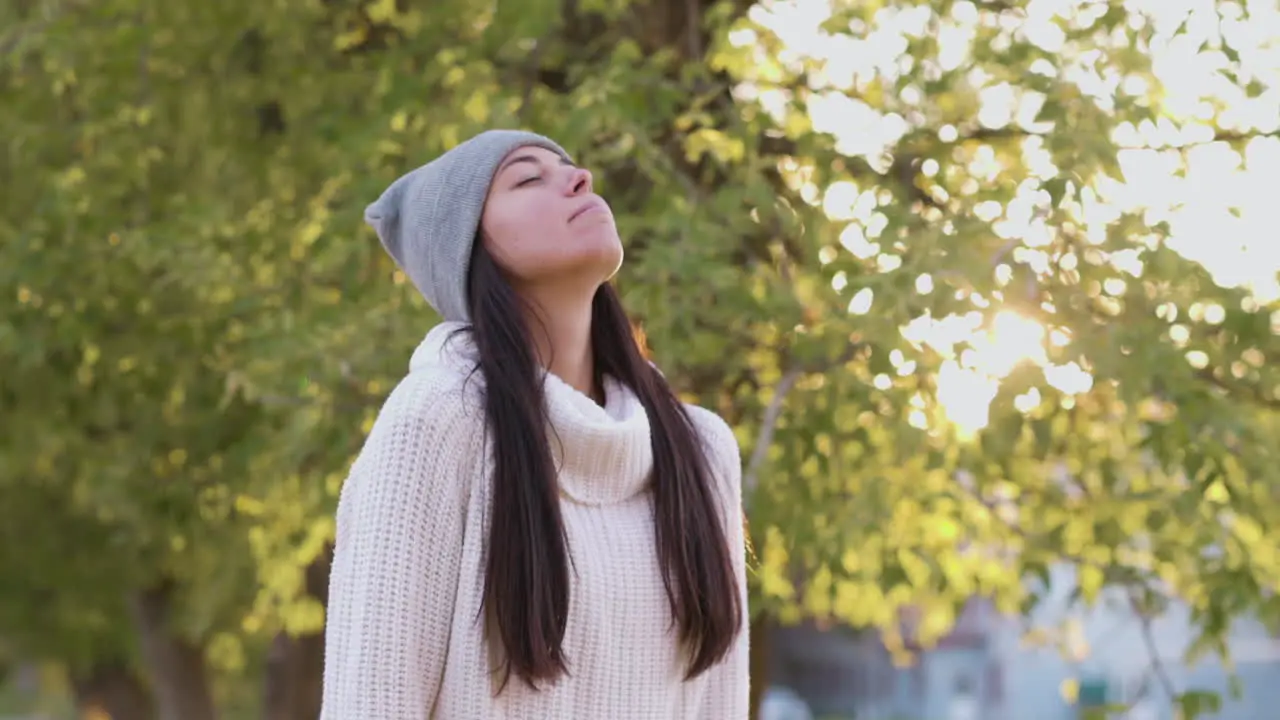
(402, 639)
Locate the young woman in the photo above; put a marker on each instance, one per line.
(536, 527)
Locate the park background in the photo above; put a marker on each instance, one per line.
(987, 289)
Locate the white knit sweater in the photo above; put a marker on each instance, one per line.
(402, 641)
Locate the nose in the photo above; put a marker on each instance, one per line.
(579, 181)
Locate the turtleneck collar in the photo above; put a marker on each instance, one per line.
(603, 455)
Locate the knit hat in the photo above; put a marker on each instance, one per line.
(427, 219)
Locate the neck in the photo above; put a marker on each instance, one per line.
(562, 339)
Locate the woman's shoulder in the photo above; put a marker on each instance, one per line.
(443, 382)
(718, 440)
(425, 442)
(711, 427)
(436, 400)
(715, 434)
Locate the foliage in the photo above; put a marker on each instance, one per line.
(199, 329)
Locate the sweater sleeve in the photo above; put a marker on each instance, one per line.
(728, 683)
(397, 555)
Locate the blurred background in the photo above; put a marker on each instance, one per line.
(987, 289)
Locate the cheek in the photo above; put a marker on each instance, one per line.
(531, 243)
(522, 242)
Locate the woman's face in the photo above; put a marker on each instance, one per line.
(544, 226)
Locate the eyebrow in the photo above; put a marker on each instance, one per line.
(527, 159)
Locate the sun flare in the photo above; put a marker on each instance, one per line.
(1204, 193)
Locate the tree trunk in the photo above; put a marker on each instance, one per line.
(295, 667)
(176, 666)
(294, 673)
(761, 648)
(114, 689)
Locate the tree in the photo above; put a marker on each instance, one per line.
(203, 323)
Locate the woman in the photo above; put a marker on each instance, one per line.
(536, 527)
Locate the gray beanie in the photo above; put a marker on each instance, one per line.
(427, 220)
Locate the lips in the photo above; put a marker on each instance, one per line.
(595, 202)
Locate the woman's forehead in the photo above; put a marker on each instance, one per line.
(535, 150)
(533, 154)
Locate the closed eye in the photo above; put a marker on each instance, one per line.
(527, 181)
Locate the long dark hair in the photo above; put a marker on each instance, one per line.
(526, 585)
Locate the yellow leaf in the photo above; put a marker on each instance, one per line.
(350, 38)
(309, 233)
(226, 651)
(222, 294)
(946, 529)
(915, 568)
(307, 616)
(333, 483)
(850, 560)
(410, 23)
(380, 11)
(1070, 690)
(938, 618)
(249, 506)
(454, 77)
(852, 604)
(774, 566)
(477, 107)
(797, 124)
(817, 596)
(73, 177)
(1216, 493)
(1090, 582)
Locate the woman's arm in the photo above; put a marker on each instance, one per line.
(397, 555)
(728, 683)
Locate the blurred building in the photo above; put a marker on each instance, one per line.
(986, 670)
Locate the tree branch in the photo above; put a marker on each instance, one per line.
(1254, 395)
(1010, 132)
(1247, 393)
(1157, 667)
(1149, 640)
(693, 27)
(764, 439)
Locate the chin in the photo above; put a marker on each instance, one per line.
(610, 262)
(590, 268)
(603, 252)
(601, 269)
